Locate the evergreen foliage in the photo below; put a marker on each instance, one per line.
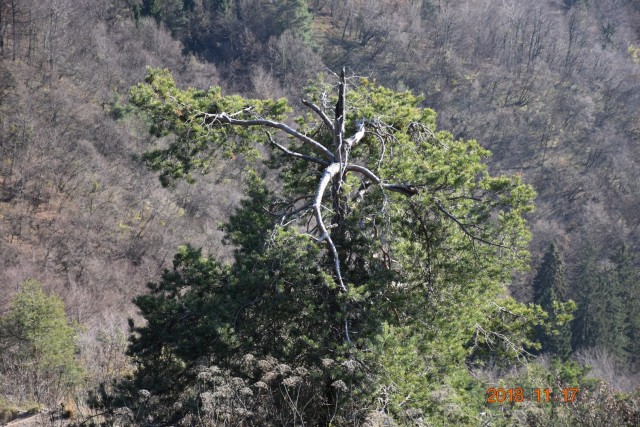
(171, 12)
(607, 315)
(629, 289)
(391, 315)
(196, 23)
(588, 300)
(294, 15)
(36, 334)
(549, 291)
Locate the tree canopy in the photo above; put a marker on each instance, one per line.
(549, 291)
(374, 262)
(37, 336)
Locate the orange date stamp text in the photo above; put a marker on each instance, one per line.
(542, 395)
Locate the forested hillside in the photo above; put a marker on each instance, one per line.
(550, 88)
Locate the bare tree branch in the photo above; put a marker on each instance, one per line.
(465, 230)
(327, 175)
(289, 209)
(224, 118)
(407, 190)
(359, 196)
(338, 126)
(294, 154)
(353, 140)
(294, 213)
(320, 113)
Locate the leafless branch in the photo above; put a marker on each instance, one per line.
(224, 118)
(519, 350)
(288, 204)
(320, 113)
(295, 154)
(296, 211)
(327, 175)
(504, 310)
(339, 116)
(288, 210)
(465, 230)
(407, 190)
(353, 140)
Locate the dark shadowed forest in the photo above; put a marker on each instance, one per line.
(458, 212)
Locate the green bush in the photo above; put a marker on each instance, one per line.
(39, 345)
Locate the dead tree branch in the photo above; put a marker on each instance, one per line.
(224, 118)
(294, 154)
(465, 230)
(320, 113)
(407, 190)
(327, 175)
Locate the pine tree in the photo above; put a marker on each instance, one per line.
(294, 15)
(549, 284)
(549, 290)
(377, 226)
(630, 292)
(173, 13)
(606, 305)
(611, 316)
(628, 320)
(588, 299)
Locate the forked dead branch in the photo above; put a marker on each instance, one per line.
(365, 179)
(336, 163)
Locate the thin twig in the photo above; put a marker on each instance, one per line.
(464, 229)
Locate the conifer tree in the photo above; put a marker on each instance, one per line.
(549, 290)
(611, 316)
(294, 15)
(371, 268)
(588, 299)
(606, 304)
(629, 294)
(622, 311)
